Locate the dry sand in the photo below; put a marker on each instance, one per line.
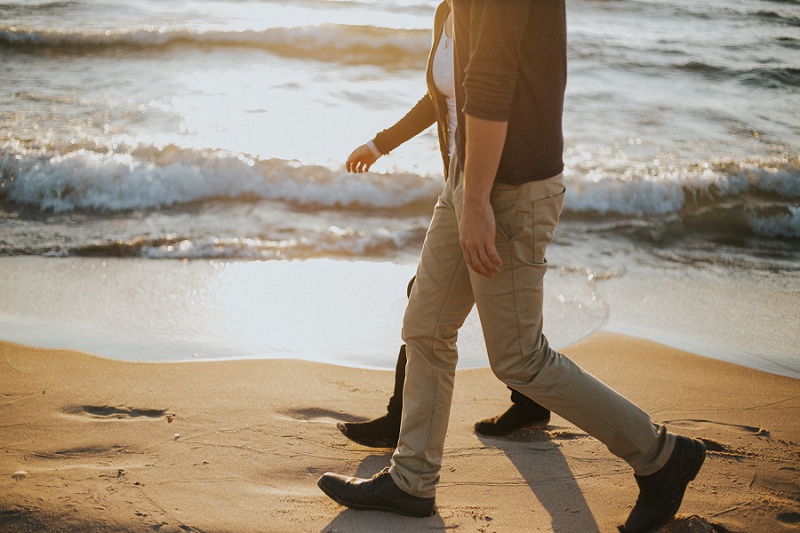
(93, 444)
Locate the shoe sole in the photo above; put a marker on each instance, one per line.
(364, 507)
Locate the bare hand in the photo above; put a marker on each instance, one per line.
(477, 233)
(360, 160)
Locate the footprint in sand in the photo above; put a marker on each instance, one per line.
(700, 424)
(789, 518)
(313, 415)
(770, 474)
(81, 452)
(713, 446)
(113, 412)
(778, 480)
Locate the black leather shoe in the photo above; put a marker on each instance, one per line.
(380, 493)
(517, 416)
(661, 494)
(382, 432)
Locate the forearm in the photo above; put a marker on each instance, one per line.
(422, 115)
(485, 139)
(484, 146)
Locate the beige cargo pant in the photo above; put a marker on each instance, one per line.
(510, 311)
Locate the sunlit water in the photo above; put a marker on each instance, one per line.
(217, 131)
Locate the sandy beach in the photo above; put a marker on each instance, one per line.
(94, 444)
(194, 290)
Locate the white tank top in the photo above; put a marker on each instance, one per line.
(445, 83)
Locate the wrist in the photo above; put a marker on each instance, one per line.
(477, 192)
(476, 201)
(374, 149)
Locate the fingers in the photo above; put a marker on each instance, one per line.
(490, 261)
(480, 251)
(360, 160)
(354, 163)
(482, 257)
(477, 238)
(358, 166)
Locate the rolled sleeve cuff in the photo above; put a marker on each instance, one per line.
(489, 100)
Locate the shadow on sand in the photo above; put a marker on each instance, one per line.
(544, 468)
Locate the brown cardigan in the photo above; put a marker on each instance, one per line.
(431, 108)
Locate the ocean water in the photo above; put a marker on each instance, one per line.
(217, 131)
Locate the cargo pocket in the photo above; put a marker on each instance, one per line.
(545, 217)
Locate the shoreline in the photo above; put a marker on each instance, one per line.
(350, 312)
(247, 440)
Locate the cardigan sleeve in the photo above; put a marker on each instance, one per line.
(422, 115)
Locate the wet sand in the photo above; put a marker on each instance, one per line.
(90, 443)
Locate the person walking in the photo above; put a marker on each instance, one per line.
(436, 106)
(486, 247)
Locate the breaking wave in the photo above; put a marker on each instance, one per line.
(759, 197)
(327, 42)
(148, 177)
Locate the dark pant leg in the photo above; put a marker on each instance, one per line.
(522, 400)
(395, 408)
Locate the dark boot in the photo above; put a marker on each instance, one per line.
(523, 413)
(380, 493)
(381, 432)
(384, 431)
(661, 494)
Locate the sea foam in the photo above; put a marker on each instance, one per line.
(150, 178)
(153, 178)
